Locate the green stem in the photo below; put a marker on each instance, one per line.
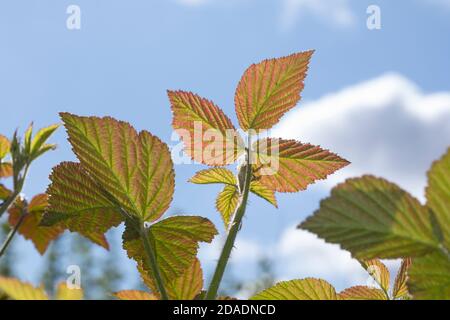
(152, 261)
(236, 226)
(11, 234)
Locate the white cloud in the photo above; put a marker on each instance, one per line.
(386, 126)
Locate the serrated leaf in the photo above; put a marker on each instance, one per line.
(290, 166)
(226, 203)
(135, 295)
(362, 293)
(214, 175)
(76, 203)
(438, 195)
(65, 293)
(400, 289)
(6, 170)
(4, 192)
(264, 192)
(41, 137)
(208, 134)
(175, 241)
(17, 290)
(305, 289)
(373, 218)
(269, 89)
(379, 272)
(30, 228)
(136, 170)
(429, 277)
(5, 145)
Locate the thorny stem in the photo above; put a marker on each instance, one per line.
(12, 233)
(236, 226)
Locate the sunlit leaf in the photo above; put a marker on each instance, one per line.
(214, 175)
(135, 295)
(189, 285)
(4, 192)
(30, 227)
(438, 195)
(5, 145)
(41, 137)
(362, 293)
(135, 169)
(373, 218)
(400, 289)
(306, 289)
(429, 277)
(18, 290)
(65, 293)
(264, 192)
(226, 203)
(290, 166)
(6, 170)
(76, 203)
(208, 134)
(269, 89)
(379, 272)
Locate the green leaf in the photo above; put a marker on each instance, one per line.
(175, 241)
(214, 175)
(306, 289)
(269, 89)
(77, 203)
(290, 166)
(5, 145)
(438, 195)
(379, 272)
(18, 290)
(136, 170)
(362, 293)
(429, 277)
(41, 137)
(373, 218)
(400, 290)
(65, 293)
(4, 192)
(226, 203)
(264, 192)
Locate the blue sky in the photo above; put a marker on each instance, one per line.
(380, 98)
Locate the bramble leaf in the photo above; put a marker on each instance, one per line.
(400, 289)
(30, 227)
(429, 277)
(362, 293)
(135, 295)
(269, 89)
(65, 293)
(208, 134)
(136, 170)
(76, 203)
(5, 145)
(175, 241)
(373, 218)
(379, 272)
(6, 169)
(4, 192)
(18, 290)
(438, 195)
(214, 175)
(264, 192)
(41, 137)
(305, 289)
(290, 166)
(226, 203)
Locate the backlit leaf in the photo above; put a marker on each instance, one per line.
(362, 293)
(438, 195)
(306, 289)
(41, 137)
(4, 192)
(264, 192)
(269, 89)
(214, 175)
(18, 290)
(135, 169)
(429, 277)
(76, 203)
(373, 218)
(4, 146)
(400, 289)
(189, 285)
(290, 166)
(226, 203)
(30, 227)
(65, 293)
(208, 134)
(135, 295)
(379, 272)
(6, 170)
